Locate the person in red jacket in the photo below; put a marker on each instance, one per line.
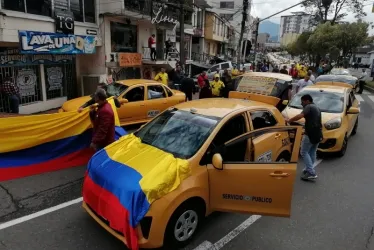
(201, 79)
(103, 122)
(293, 72)
(152, 46)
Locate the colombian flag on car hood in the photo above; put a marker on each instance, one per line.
(125, 178)
(34, 144)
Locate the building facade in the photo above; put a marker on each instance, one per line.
(292, 26)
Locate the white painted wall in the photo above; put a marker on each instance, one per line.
(111, 6)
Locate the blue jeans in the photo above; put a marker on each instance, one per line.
(14, 104)
(309, 153)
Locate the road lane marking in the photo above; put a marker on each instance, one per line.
(207, 245)
(359, 98)
(365, 92)
(371, 97)
(39, 213)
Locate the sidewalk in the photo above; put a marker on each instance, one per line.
(51, 111)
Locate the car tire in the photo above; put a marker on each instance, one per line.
(183, 225)
(343, 150)
(354, 131)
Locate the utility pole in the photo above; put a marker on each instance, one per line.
(181, 27)
(256, 36)
(245, 16)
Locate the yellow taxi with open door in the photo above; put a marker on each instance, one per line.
(242, 156)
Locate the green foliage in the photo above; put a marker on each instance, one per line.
(333, 10)
(332, 40)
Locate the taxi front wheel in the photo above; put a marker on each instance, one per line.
(183, 226)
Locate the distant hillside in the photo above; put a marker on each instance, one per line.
(271, 28)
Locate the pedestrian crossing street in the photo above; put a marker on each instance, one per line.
(366, 96)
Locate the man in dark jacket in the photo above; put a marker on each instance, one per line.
(187, 87)
(227, 80)
(92, 100)
(103, 122)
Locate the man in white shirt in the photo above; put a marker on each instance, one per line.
(303, 83)
(312, 77)
(363, 78)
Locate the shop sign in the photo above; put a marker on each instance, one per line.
(54, 76)
(197, 32)
(26, 81)
(130, 59)
(171, 34)
(64, 22)
(159, 17)
(13, 57)
(33, 42)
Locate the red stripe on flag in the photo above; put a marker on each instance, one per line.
(109, 207)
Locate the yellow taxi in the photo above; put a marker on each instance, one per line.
(242, 157)
(339, 108)
(144, 99)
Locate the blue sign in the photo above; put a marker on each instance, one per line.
(33, 42)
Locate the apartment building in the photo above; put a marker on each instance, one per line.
(291, 26)
(217, 32)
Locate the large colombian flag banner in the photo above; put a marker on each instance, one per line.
(124, 179)
(34, 144)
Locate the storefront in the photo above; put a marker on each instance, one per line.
(43, 69)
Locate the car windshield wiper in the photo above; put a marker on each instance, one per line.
(294, 106)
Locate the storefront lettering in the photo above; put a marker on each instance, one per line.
(56, 42)
(159, 18)
(12, 58)
(55, 76)
(26, 81)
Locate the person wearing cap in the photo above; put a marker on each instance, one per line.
(217, 85)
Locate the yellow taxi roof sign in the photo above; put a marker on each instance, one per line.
(329, 83)
(254, 97)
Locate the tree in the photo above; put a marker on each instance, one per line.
(333, 10)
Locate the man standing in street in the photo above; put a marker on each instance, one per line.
(187, 87)
(162, 77)
(312, 77)
(276, 69)
(312, 137)
(201, 79)
(168, 45)
(152, 46)
(217, 86)
(10, 89)
(293, 71)
(103, 122)
(362, 80)
(303, 83)
(284, 70)
(178, 77)
(227, 81)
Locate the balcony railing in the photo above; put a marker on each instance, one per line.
(161, 54)
(139, 6)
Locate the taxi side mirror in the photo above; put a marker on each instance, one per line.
(217, 162)
(353, 111)
(285, 102)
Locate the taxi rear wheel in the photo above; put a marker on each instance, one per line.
(183, 225)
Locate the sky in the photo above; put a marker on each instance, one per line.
(264, 8)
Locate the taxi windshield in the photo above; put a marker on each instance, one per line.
(328, 102)
(178, 132)
(115, 89)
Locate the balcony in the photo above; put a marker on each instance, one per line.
(140, 6)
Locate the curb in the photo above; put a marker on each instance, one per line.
(371, 89)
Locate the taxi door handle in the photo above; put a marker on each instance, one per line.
(279, 174)
(277, 136)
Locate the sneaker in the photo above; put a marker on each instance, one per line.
(308, 176)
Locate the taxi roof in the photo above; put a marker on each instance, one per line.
(280, 76)
(132, 82)
(219, 107)
(328, 88)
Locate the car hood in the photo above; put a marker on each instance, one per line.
(74, 104)
(291, 112)
(136, 174)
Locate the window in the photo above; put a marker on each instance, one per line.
(228, 17)
(168, 91)
(83, 10)
(116, 89)
(156, 92)
(214, 68)
(262, 119)
(226, 5)
(135, 94)
(225, 65)
(56, 79)
(326, 101)
(123, 37)
(178, 132)
(233, 128)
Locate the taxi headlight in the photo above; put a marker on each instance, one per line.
(333, 123)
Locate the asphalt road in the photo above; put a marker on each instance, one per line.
(334, 213)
